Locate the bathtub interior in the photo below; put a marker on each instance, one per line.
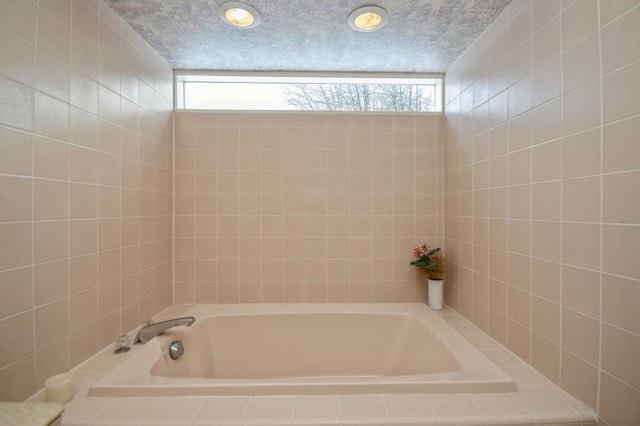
(247, 350)
(303, 345)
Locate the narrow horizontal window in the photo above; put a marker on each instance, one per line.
(308, 92)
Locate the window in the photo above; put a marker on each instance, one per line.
(308, 92)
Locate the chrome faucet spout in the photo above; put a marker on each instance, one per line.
(150, 331)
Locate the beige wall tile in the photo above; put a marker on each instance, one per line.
(51, 281)
(609, 10)
(619, 249)
(19, 191)
(619, 302)
(20, 117)
(615, 50)
(581, 245)
(51, 199)
(619, 352)
(579, 21)
(20, 18)
(546, 161)
(545, 319)
(15, 152)
(542, 13)
(546, 81)
(618, 401)
(546, 201)
(580, 335)
(83, 344)
(570, 235)
(620, 152)
(519, 274)
(579, 378)
(620, 93)
(21, 375)
(581, 109)
(620, 203)
(83, 272)
(51, 322)
(83, 309)
(51, 360)
(52, 75)
(16, 286)
(83, 165)
(581, 199)
(518, 339)
(498, 326)
(545, 357)
(294, 199)
(520, 202)
(546, 279)
(51, 117)
(19, 331)
(519, 306)
(546, 123)
(519, 62)
(546, 43)
(581, 154)
(83, 237)
(580, 64)
(51, 241)
(66, 85)
(581, 290)
(545, 240)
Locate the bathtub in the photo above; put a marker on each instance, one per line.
(289, 349)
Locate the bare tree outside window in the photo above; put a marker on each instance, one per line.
(361, 97)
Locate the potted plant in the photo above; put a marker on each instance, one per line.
(431, 261)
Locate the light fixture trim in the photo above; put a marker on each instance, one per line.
(368, 18)
(239, 14)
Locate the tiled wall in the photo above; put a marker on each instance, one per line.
(542, 175)
(304, 207)
(542, 193)
(85, 186)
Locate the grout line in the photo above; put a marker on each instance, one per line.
(562, 223)
(530, 184)
(33, 205)
(601, 254)
(173, 209)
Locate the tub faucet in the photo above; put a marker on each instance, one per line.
(151, 330)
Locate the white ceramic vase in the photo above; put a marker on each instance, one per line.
(435, 294)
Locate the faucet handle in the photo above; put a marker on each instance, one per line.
(147, 322)
(122, 344)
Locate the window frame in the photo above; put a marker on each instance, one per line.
(267, 78)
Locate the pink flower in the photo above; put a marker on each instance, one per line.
(420, 250)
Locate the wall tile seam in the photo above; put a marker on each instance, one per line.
(630, 10)
(512, 49)
(26, 311)
(16, 35)
(589, 363)
(611, 74)
(623, 277)
(22, 358)
(608, 124)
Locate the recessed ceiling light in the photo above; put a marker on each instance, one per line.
(239, 14)
(368, 18)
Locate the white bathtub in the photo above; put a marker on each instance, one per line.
(272, 349)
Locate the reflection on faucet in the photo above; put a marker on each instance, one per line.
(151, 330)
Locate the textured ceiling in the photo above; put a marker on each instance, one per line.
(310, 35)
